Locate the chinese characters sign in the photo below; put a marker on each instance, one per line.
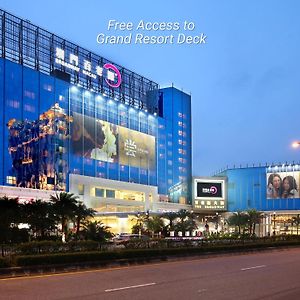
(112, 74)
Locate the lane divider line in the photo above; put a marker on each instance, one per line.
(251, 268)
(129, 287)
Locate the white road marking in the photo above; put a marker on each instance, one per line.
(251, 268)
(130, 287)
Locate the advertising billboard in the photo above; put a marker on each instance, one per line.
(283, 185)
(104, 141)
(209, 193)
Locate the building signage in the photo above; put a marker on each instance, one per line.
(209, 193)
(111, 72)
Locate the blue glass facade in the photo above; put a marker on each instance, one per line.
(26, 95)
(39, 113)
(247, 188)
(66, 110)
(174, 146)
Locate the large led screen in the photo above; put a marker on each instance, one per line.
(209, 193)
(104, 141)
(283, 185)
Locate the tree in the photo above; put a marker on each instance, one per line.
(10, 217)
(140, 226)
(81, 214)
(238, 219)
(171, 217)
(97, 231)
(254, 218)
(64, 206)
(40, 217)
(154, 224)
(185, 221)
(296, 221)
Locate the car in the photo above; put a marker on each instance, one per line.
(125, 237)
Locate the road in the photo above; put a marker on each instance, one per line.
(266, 275)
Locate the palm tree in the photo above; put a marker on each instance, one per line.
(154, 224)
(81, 214)
(139, 226)
(185, 221)
(296, 221)
(171, 217)
(238, 219)
(64, 205)
(10, 216)
(40, 217)
(97, 231)
(254, 218)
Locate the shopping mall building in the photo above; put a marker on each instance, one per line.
(71, 120)
(271, 189)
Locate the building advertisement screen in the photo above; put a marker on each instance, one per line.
(209, 194)
(283, 185)
(104, 141)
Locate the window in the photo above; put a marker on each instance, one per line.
(99, 192)
(47, 87)
(80, 189)
(11, 180)
(29, 94)
(110, 193)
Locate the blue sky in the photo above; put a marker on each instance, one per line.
(245, 81)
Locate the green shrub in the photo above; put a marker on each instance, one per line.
(4, 263)
(55, 247)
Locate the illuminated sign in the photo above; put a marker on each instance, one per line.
(209, 193)
(113, 75)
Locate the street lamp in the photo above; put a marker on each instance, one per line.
(296, 144)
(274, 222)
(217, 221)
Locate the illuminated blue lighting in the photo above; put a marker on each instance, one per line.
(74, 88)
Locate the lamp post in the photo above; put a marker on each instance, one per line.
(217, 221)
(274, 223)
(139, 224)
(296, 144)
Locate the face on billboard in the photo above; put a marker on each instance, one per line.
(283, 185)
(94, 139)
(101, 140)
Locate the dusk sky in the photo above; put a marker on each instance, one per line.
(244, 81)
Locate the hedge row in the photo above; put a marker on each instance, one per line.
(54, 246)
(4, 263)
(97, 256)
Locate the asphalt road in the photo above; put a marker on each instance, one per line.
(267, 275)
